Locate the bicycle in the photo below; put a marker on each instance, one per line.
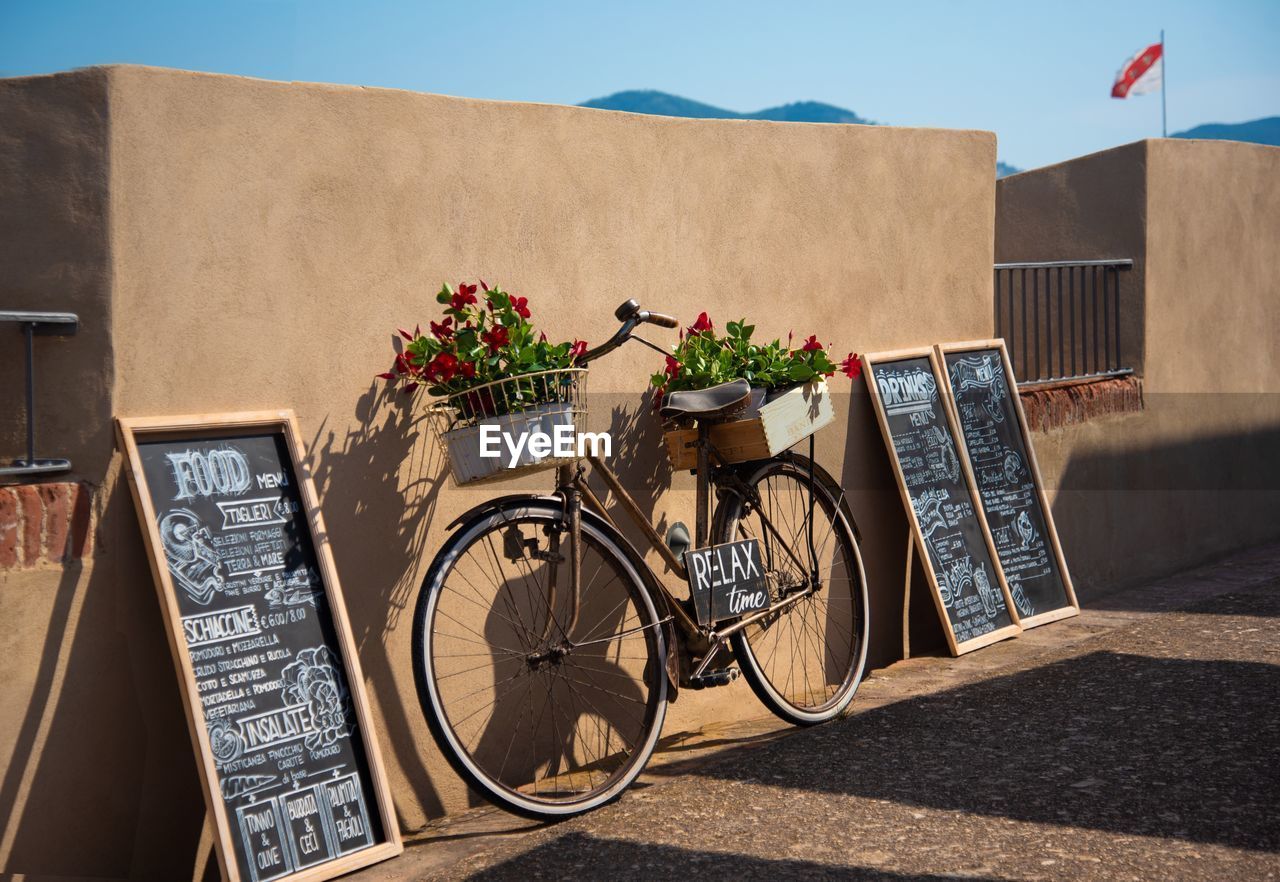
(545, 647)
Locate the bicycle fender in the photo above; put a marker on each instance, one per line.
(498, 502)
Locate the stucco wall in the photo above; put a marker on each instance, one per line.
(265, 239)
(1194, 475)
(70, 734)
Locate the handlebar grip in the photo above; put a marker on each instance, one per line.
(662, 321)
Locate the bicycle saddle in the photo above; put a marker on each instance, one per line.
(705, 403)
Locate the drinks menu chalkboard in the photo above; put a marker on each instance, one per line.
(941, 502)
(260, 636)
(984, 393)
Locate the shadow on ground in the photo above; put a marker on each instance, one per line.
(1129, 744)
(578, 855)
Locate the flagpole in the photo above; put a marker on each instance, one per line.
(1164, 72)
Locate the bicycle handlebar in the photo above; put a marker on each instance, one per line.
(631, 316)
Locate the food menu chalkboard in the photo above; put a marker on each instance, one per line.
(269, 671)
(982, 389)
(956, 550)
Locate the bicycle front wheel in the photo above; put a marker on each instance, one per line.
(546, 701)
(805, 660)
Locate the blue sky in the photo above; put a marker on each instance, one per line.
(1038, 74)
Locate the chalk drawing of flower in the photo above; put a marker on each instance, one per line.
(313, 679)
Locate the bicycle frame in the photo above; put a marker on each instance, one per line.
(571, 485)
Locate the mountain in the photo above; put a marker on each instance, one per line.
(663, 104)
(810, 112)
(1258, 131)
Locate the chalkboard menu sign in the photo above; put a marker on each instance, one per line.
(941, 502)
(984, 394)
(274, 696)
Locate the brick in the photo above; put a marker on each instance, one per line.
(32, 523)
(57, 521)
(9, 527)
(81, 515)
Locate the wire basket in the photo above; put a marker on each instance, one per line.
(524, 407)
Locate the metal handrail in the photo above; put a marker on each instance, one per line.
(1118, 263)
(1061, 319)
(32, 322)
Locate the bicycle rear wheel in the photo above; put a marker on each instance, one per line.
(803, 662)
(546, 702)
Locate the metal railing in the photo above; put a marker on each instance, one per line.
(31, 324)
(1061, 318)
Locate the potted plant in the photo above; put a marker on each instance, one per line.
(789, 399)
(486, 365)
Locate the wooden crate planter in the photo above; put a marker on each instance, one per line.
(781, 422)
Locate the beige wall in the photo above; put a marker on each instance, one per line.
(55, 255)
(1195, 474)
(265, 239)
(1213, 288)
(71, 735)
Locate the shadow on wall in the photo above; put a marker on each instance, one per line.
(381, 482)
(1139, 513)
(104, 728)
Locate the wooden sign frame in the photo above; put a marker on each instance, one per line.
(203, 426)
(943, 349)
(869, 362)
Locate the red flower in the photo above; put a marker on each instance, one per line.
(851, 366)
(812, 344)
(542, 336)
(496, 337)
(442, 368)
(520, 305)
(386, 376)
(467, 369)
(483, 285)
(444, 330)
(403, 364)
(702, 324)
(406, 334)
(578, 349)
(673, 367)
(466, 294)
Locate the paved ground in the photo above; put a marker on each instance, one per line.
(1138, 741)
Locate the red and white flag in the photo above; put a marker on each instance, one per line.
(1141, 74)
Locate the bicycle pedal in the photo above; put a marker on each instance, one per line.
(712, 679)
